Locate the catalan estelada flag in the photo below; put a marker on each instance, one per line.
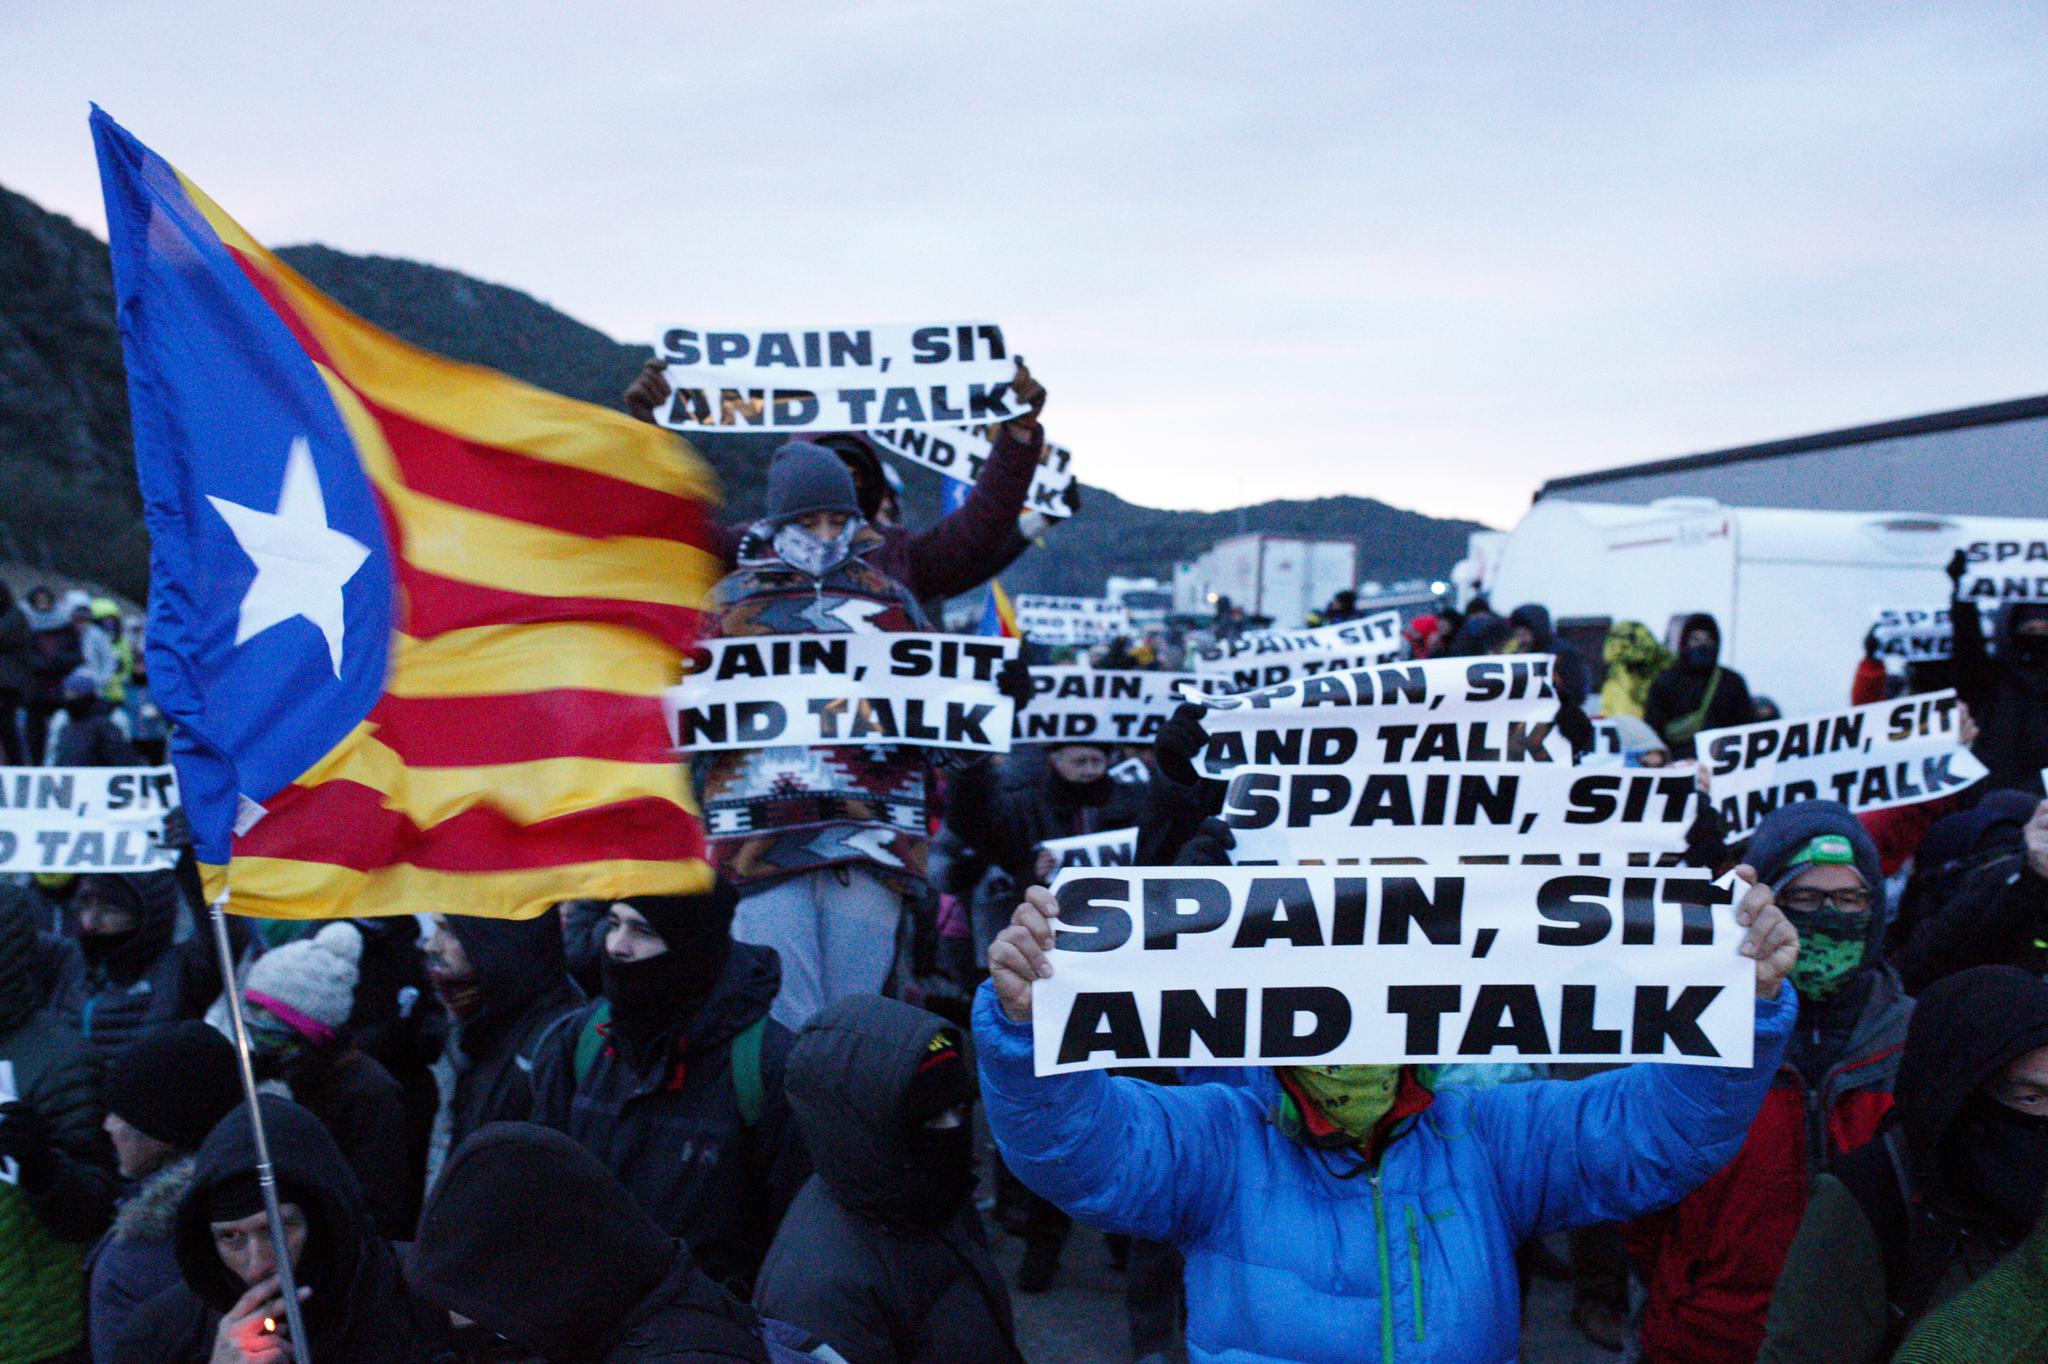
(411, 618)
(998, 618)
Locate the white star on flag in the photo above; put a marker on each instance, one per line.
(302, 563)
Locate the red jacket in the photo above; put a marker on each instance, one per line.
(1712, 1260)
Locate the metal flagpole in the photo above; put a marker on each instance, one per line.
(266, 1178)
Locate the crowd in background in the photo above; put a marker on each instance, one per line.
(741, 1125)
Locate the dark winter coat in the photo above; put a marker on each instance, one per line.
(14, 652)
(520, 968)
(150, 980)
(94, 740)
(1008, 820)
(137, 1259)
(54, 652)
(1680, 689)
(360, 1311)
(2009, 701)
(46, 1225)
(665, 1120)
(853, 1263)
(962, 550)
(1890, 1232)
(398, 1022)
(364, 1109)
(1996, 915)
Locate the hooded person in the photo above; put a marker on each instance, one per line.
(129, 973)
(673, 1078)
(15, 636)
(2000, 1319)
(1979, 892)
(56, 650)
(883, 1252)
(504, 982)
(1423, 635)
(1324, 1210)
(577, 1274)
(1954, 1183)
(89, 737)
(1633, 658)
(59, 1172)
(163, 1095)
(1710, 1262)
(1696, 693)
(355, 1305)
(828, 845)
(1530, 632)
(297, 999)
(2007, 692)
(957, 553)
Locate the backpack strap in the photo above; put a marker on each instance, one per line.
(590, 1040)
(746, 1071)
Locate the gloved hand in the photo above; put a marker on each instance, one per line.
(25, 1135)
(1576, 728)
(1210, 847)
(1013, 680)
(1179, 742)
(1958, 568)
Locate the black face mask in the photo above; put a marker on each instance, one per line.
(944, 1159)
(100, 948)
(650, 994)
(2000, 1157)
(2030, 651)
(1095, 792)
(1701, 656)
(80, 707)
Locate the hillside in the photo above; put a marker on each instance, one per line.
(67, 490)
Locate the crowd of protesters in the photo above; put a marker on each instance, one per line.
(741, 1124)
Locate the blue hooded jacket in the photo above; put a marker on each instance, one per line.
(1287, 1261)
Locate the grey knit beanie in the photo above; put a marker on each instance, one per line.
(809, 478)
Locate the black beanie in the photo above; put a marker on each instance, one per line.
(809, 478)
(176, 1084)
(686, 921)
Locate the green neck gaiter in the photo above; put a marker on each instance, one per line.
(1831, 948)
(1352, 1098)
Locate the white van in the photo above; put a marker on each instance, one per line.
(1795, 591)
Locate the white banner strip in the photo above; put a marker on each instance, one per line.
(85, 819)
(835, 378)
(1871, 757)
(961, 452)
(1299, 966)
(1266, 658)
(1071, 620)
(2006, 570)
(1348, 814)
(1914, 635)
(1072, 703)
(767, 691)
(1109, 848)
(1453, 710)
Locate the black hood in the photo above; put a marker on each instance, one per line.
(2010, 617)
(19, 947)
(153, 895)
(1992, 825)
(1478, 636)
(849, 1076)
(1966, 1028)
(311, 1171)
(1536, 620)
(515, 960)
(555, 1270)
(1699, 620)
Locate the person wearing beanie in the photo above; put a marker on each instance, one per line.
(225, 1307)
(883, 1252)
(826, 846)
(56, 1169)
(672, 1078)
(578, 1273)
(1423, 634)
(1946, 1195)
(163, 1095)
(1711, 1261)
(504, 982)
(130, 974)
(89, 737)
(297, 999)
(961, 550)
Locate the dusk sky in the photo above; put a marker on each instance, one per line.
(1428, 254)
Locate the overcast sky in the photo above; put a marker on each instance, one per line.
(1255, 250)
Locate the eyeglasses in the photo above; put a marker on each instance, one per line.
(1855, 900)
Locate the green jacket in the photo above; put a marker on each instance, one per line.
(2000, 1319)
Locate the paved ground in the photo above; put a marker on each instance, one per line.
(1081, 1321)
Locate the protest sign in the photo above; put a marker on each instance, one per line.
(2005, 570)
(1295, 966)
(1109, 848)
(1453, 710)
(1345, 814)
(961, 452)
(1265, 658)
(766, 691)
(1071, 620)
(1914, 634)
(1072, 703)
(85, 819)
(1868, 757)
(791, 379)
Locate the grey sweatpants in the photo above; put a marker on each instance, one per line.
(835, 930)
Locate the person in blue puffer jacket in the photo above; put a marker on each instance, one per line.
(1344, 1213)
